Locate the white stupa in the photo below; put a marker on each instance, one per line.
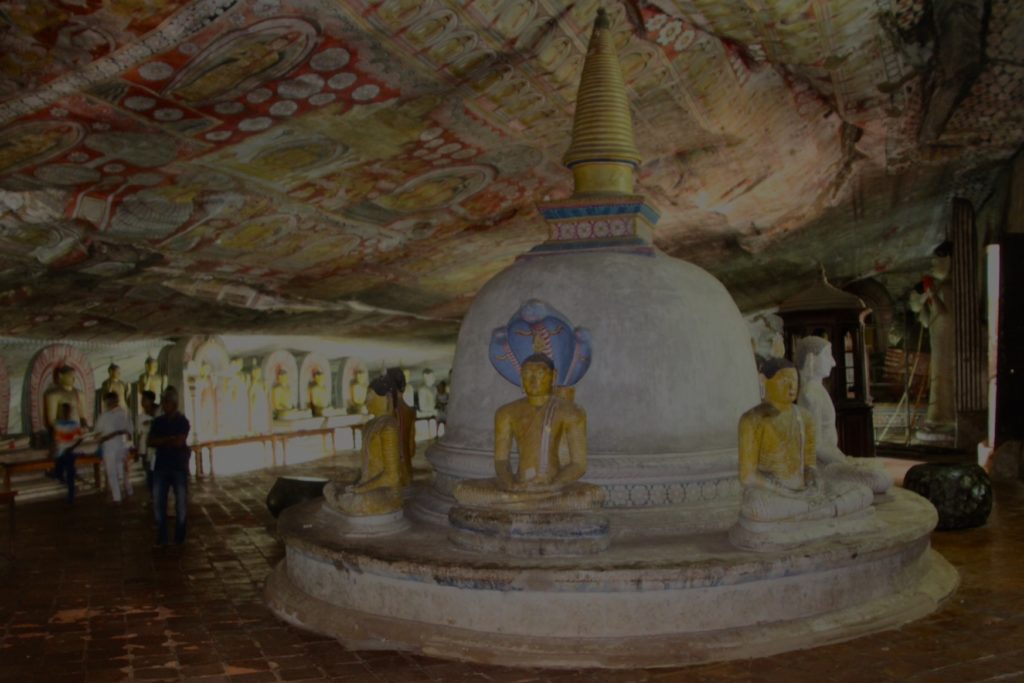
(671, 370)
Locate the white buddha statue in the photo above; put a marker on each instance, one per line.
(426, 396)
(814, 360)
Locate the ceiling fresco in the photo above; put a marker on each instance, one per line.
(362, 168)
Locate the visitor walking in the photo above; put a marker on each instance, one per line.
(150, 410)
(114, 428)
(67, 435)
(168, 435)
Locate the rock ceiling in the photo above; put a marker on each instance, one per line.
(362, 168)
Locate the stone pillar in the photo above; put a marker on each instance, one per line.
(971, 392)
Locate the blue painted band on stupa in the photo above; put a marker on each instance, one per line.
(588, 210)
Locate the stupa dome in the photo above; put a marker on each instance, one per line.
(672, 370)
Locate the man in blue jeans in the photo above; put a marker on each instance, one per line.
(168, 435)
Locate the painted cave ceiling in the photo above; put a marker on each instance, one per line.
(362, 168)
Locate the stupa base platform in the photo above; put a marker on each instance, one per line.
(528, 534)
(646, 601)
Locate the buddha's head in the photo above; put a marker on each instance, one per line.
(780, 381)
(319, 378)
(538, 375)
(150, 365)
(257, 374)
(813, 356)
(361, 377)
(236, 366)
(941, 260)
(282, 378)
(378, 398)
(114, 372)
(66, 377)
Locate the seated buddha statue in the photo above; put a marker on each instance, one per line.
(281, 395)
(813, 356)
(319, 394)
(357, 391)
(538, 423)
(378, 490)
(61, 392)
(785, 502)
(114, 384)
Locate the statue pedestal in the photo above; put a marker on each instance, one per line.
(366, 526)
(771, 536)
(650, 599)
(528, 534)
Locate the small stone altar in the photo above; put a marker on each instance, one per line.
(508, 559)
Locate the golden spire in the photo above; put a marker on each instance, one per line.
(602, 155)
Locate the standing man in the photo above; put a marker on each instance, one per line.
(114, 429)
(149, 411)
(67, 435)
(168, 435)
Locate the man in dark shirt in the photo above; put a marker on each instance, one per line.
(168, 435)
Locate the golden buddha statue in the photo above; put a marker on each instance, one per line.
(151, 379)
(357, 393)
(406, 416)
(378, 490)
(64, 391)
(114, 384)
(319, 394)
(281, 395)
(784, 499)
(538, 424)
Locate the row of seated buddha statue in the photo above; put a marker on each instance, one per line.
(424, 397)
(797, 486)
(534, 506)
(65, 390)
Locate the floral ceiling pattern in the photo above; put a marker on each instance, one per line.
(362, 168)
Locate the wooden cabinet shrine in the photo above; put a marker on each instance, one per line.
(824, 311)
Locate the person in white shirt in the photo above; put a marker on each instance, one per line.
(113, 429)
(150, 410)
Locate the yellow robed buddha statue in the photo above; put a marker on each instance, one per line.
(785, 502)
(538, 424)
(319, 394)
(64, 391)
(114, 384)
(379, 488)
(281, 395)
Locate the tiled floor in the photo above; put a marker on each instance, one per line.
(88, 598)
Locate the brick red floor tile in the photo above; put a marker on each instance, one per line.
(88, 598)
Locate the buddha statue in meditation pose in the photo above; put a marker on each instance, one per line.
(814, 360)
(357, 391)
(281, 395)
(785, 502)
(64, 391)
(538, 424)
(379, 488)
(319, 394)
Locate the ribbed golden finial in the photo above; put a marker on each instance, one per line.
(602, 155)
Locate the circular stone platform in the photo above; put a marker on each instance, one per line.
(646, 601)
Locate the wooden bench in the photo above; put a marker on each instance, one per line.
(211, 445)
(44, 464)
